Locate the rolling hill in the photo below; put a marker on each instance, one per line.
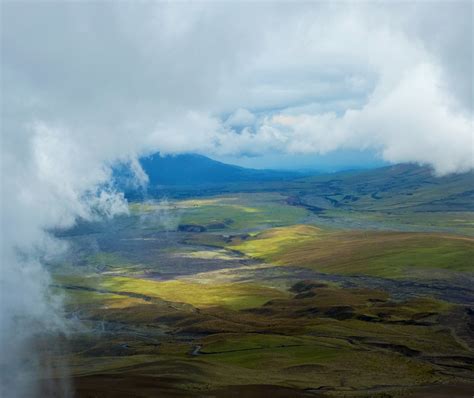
(397, 187)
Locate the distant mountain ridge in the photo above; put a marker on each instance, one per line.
(399, 188)
(191, 170)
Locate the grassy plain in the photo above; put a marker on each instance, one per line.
(376, 253)
(234, 296)
(341, 341)
(236, 212)
(276, 296)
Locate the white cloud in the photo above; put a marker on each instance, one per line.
(410, 121)
(48, 180)
(241, 118)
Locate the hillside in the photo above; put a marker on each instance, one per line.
(405, 197)
(396, 187)
(193, 169)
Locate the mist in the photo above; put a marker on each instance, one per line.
(87, 85)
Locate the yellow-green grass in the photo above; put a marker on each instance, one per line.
(82, 299)
(231, 295)
(274, 241)
(376, 253)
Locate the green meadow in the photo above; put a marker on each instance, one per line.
(383, 254)
(271, 295)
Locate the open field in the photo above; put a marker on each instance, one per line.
(383, 254)
(249, 294)
(234, 212)
(302, 338)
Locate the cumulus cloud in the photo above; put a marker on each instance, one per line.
(175, 78)
(85, 85)
(410, 121)
(240, 118)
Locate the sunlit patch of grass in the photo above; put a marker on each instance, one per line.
(273, 241)
(231, 295)
(385, 254)
(80, 299)
(235, 296)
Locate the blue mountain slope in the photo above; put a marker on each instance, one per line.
(194, 170)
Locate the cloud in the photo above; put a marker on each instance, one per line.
(241, 118)
(410, 121)
(165, 77)
(85, 85)
(48, 181)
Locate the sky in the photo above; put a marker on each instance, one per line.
(312, 163)
(263, 84)
(244, 79)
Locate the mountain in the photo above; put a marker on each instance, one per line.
(192, 171)
(401, 188)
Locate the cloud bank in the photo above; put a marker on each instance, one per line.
(87, 84)
(227, 77)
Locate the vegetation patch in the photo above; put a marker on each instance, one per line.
(383, 254)
(231, 295)
(240, 212)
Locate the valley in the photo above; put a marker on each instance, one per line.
(250, 294)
